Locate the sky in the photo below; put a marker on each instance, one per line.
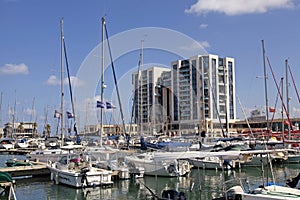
(31, 54)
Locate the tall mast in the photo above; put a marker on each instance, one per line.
(32, 110)
(226, 96)
(14, 116)
(62, 80)
(1, 109)
(266, 88)
(102, 82)
(287, 96)
(203, 94)
(140, 120)
(282, 103)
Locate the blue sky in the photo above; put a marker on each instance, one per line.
(30, 44)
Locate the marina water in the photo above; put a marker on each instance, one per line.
(200, 184)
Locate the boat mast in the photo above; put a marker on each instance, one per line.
(62, 81)
(226, 96)
(1, 109)
(13, 133)
(203, 94)
(282, 122)
(115, 80)
(102, 82)
(140, 89)
(265, 79)
(287, 96)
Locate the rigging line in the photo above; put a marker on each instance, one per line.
(294, 82)
(115, 79)
(276, 100)
(69, 79)
(244, 113)
(136, 90)
(284, 107)
(70, 86)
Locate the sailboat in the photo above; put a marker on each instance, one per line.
(269, 191)
(71, 169)
(155, 166)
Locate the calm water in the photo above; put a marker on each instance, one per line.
(200, 184)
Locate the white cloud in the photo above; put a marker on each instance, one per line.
(14, 69)
(238, 7)
(54, 80)
(203, 26)
(196, 45)
(204, 44)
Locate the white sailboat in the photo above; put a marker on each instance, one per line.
(74, 171)
(70, 169)
(273, 192)
(264, 192)
(155, 166)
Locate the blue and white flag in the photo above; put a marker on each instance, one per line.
(100, 104)
(70, 115)
(110, 106)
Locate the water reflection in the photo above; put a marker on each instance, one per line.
(200, 184)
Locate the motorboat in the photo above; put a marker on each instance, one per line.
(7, 143)
(73, 171)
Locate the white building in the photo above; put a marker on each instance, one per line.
(203, 92)
(197, 93)
(109, 129)
(21, 129)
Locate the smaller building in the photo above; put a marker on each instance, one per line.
(109, 129)
(20, 129)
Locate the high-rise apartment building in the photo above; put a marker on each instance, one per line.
(148, 109)
(196, 93)
(203, 89)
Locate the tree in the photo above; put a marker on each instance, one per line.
(20, 128)
(47, 130)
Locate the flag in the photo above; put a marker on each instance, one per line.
(271, 109)
(70, 115)
(100, 104)
(109, 106)
(57, 114)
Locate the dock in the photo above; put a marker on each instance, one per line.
(15, 151)
(35, 170)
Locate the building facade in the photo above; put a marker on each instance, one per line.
(196, 94)
(20, 129)
(148, 100)
(203, 93)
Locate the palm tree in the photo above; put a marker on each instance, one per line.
(35, 134)
(20, 128)
(47, 130)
